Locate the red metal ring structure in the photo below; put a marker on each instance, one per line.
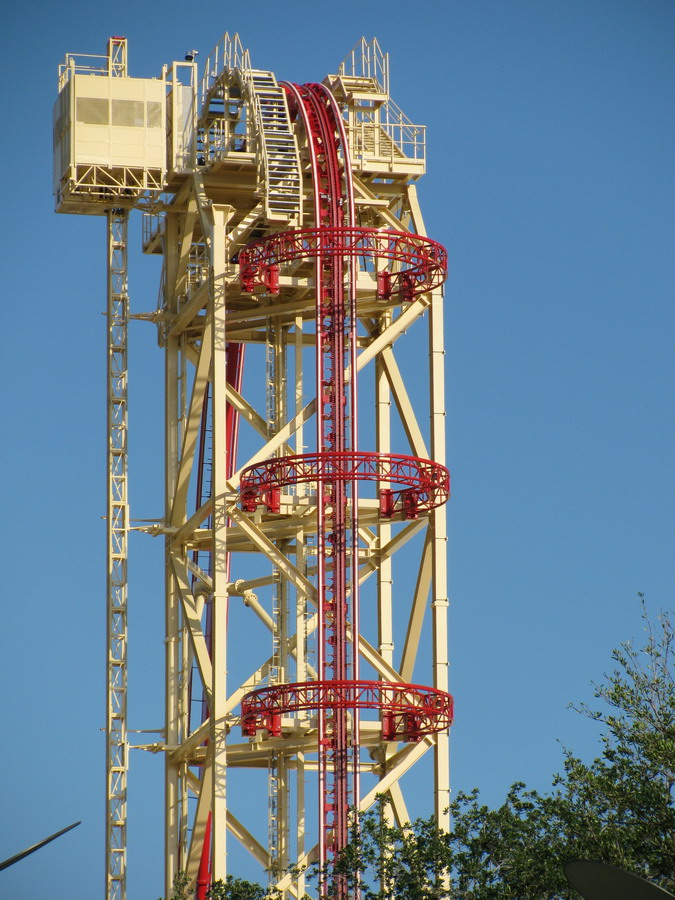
(409, 711)
(423, 262)
(426, 484)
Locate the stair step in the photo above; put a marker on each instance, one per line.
(283, 181)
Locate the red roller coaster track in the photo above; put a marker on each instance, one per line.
(404, 266)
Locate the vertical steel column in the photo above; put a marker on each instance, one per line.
(439, 604)
(117, 56)
(384, 569)
(172, 441)
(218, 730)
(118, 530)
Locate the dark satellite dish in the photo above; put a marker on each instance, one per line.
(52, 837)
(600, 881)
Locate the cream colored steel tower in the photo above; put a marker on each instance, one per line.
(224, 167)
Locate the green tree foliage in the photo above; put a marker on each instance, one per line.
(240, 889)
(619, 808)
(230, 889)
(181, 889)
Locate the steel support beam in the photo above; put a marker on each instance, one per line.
(440, 603)
(217, 751)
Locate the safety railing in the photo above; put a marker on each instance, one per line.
(387, 133)
(154, 225)
(367, 60)
(410, 138)
(74, 64)
(227, 54)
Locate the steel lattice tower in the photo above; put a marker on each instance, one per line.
(294, 261)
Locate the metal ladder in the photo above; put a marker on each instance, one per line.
(280, 178)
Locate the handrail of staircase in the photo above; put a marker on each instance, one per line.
(228, 53)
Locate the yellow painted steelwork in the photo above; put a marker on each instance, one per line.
(213, 165)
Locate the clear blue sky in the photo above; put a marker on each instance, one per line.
(551, 144)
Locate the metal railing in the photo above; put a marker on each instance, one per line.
(387, 133)
(410, 138)
(367, 60)
(154, 224)
(220, 138)
(227, 54)
(71, 66)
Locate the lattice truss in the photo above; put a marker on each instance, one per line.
(305, 521)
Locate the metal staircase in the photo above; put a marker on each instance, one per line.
(280, 179)
(373, 141)
(381, 137)
(369, 116)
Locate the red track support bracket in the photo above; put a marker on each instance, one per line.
(419, 264)
(424, 484)
(263, 275)
(409, 712)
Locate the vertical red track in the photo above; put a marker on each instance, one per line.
(337, 526)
